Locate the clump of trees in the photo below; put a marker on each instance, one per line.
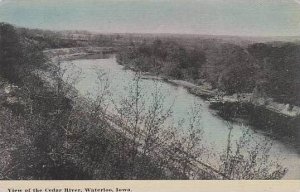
(166, 58)
(279, 68)
(270, 68)
(18, 56)
(225, 66)
(230, 68)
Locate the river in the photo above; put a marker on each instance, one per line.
(215, 129)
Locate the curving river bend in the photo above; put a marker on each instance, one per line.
(215, 129)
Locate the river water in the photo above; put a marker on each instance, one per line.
(215, 129)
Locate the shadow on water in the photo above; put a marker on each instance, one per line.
(277, 126)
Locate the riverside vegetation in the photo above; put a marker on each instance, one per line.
(260, 75)
(48, 131)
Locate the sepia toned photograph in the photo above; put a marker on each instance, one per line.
(149, 90)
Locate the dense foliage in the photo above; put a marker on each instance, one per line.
(167, 58)
(270, 68)
(17, 55)
(279, 69)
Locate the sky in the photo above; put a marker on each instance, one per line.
(211, 17)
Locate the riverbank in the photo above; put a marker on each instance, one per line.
(277, 120)
(79, 53)
(215, 96)
(204, 91)
(274, 119)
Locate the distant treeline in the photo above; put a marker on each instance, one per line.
(271, 69)
(67, 39)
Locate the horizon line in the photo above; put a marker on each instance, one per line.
(154, 33)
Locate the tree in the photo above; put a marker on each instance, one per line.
(10, 53)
